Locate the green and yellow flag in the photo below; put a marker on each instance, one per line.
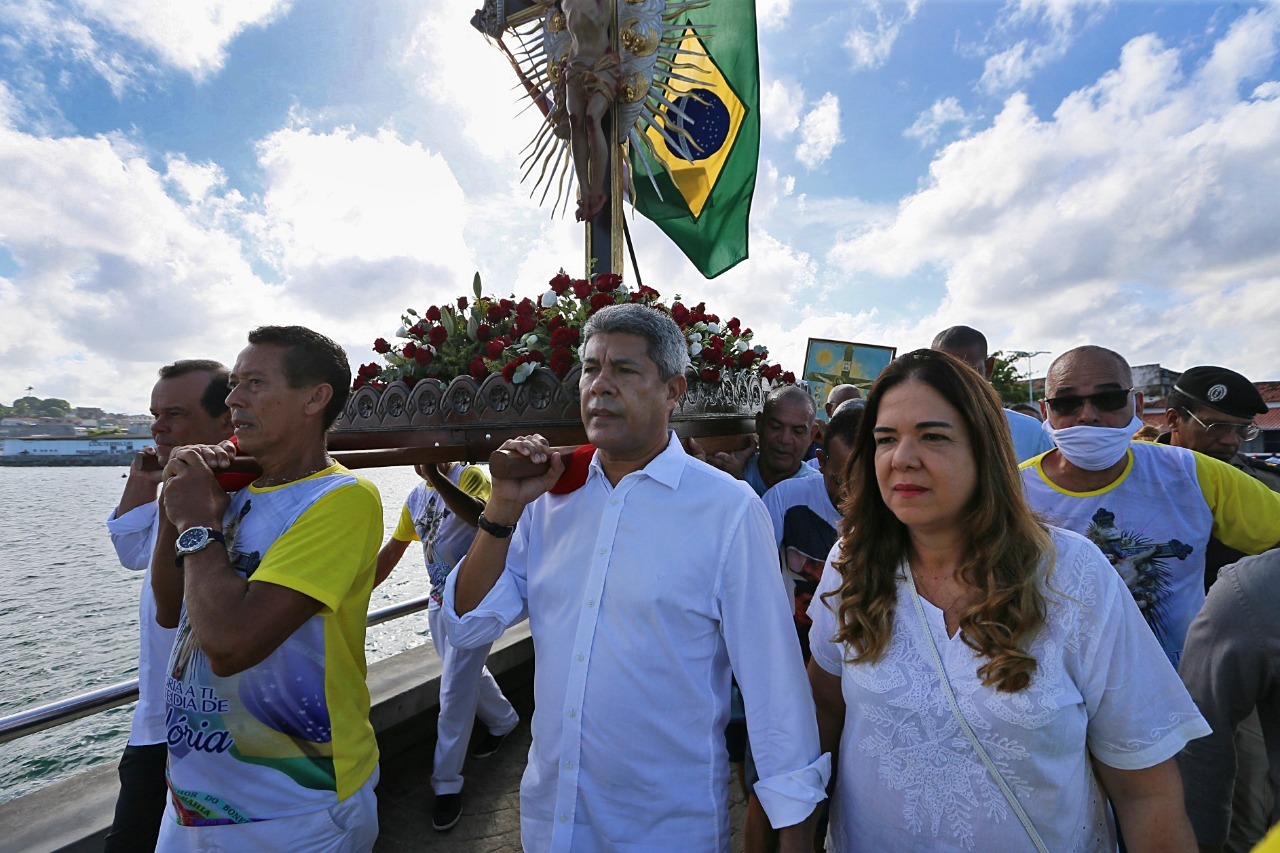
(705, 209)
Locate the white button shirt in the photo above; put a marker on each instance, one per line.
(643, 598)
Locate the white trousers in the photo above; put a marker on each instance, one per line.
(349, 827)
(467, 691)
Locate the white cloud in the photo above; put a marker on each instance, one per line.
(929, 124)
(773, 14)
(1123, 220)
(45, 28)
(191, 35)
(820, 132)
(781, 101)
(870, 44)
(1059, 21)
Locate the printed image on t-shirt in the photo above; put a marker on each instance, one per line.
(1142, 564)
(806, 540)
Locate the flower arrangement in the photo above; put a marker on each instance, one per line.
(488, 335)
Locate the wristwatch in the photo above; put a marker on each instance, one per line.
(499, 531)
(195, 539)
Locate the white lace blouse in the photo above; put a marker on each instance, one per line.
(910, 780)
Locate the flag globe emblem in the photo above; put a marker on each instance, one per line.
(710, 113)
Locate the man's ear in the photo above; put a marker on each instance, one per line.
(989, 367)
(320, 396)
(1172, 419)
(1138, 402)
(676, 386)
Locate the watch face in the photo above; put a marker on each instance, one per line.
(193, 538)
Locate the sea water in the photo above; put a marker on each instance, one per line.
(69, 612)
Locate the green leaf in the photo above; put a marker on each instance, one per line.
(446, 320)
(475, 285)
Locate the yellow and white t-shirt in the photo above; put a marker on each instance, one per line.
(1154, 522)
(291, 734)
(445, 538)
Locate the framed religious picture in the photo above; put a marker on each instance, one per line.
(831, 363)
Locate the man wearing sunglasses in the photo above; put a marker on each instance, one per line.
(1211, 411)
(1151, 509)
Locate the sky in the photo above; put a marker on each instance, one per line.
(1052, 172)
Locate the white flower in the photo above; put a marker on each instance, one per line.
(695, 348)
(760, 349)
(549, 299)
(402, 332)
(530, 340)
(694, 337)
(522, 372)
(713, 328)
(741, 345)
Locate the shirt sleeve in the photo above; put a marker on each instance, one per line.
(475, 482)
(1246, 514)
(773, 503)
(1225, 665)
(764, 653)
(331, 544)
(131, 535)
(504, 605)
(405, 531)
(826, 652)
(1139, 712)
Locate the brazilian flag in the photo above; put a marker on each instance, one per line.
(704, 210)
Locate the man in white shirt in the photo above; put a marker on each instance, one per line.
(188, 405)
(970, 346)
(646, 588)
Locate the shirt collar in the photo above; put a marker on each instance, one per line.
(665, 468)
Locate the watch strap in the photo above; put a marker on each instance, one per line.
(498, 531)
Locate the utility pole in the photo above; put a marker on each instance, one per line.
(1028, 356)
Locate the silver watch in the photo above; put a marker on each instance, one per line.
(195, 539)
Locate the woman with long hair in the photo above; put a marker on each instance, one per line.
(988, 680)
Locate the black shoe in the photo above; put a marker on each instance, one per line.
(448, 812)
(487, 745)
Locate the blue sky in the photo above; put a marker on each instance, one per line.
(1054, 172)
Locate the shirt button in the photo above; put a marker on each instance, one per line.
(613, 501)
(602, 550)
(579, 657)
(563, 818)
(573, 714)
(568, 765)
(591, 602)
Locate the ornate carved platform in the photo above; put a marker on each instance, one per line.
(467, 420)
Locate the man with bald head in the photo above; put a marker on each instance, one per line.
(970, 346)
(1150, 508)
(785, 427)
(840, 394)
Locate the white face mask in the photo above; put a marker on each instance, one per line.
(1093, 448)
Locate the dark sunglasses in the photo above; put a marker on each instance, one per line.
(1103, 401)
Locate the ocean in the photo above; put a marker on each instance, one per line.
(69, 612)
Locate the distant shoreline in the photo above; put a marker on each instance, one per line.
(98, 460)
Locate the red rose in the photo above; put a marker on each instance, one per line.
(734, 324)
(679, 313)
(509, 371)
(410, 380)
(555, 322)
(437, 336)
(423, 356)
(699, 313)
(709, 374)
(789, 378)
(746, 357)
(433, 314)
(526, 307)
(746, 333)
(561, 362)
(581, 288)
(564, 338)
(525, 324)
(560, 283)
(607, 281)
(600, 300)
(462, 303)
(418, 329)
(358, 383)
(483, 332)
(381, 346)
(370, 370)
(495, 313)
(534, 355)
(477, 369)
(410, 349)
(771, 372)
(493, 349)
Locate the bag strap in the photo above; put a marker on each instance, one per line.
(1023, 817)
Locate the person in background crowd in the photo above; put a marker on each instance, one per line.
(636, 631)
(836, 397)
(970, 346)
(986, 678)
(1211, 411)
(188, 406)
(1147, 433)
(1231, 665)
(441, 512)
(1025, 409)
(1150, 509)
(805, 513)
(270, 745)
(785, 426)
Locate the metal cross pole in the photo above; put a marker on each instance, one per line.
(604, 242)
